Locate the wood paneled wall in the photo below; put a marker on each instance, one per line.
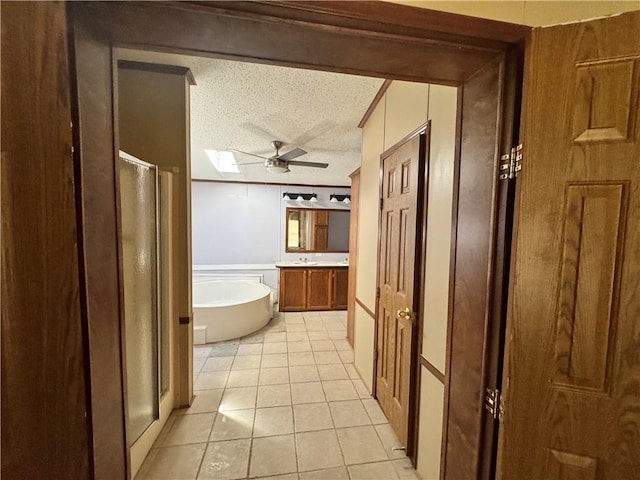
(44, 422)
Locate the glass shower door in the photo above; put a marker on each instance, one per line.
(138, 223)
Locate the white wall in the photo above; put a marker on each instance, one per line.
(404, 107)
(240, 227)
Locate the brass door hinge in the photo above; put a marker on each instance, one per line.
(510, 163)
(381, 203)
(494, 403)
(377, 292)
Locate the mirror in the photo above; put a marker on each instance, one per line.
(317, 230)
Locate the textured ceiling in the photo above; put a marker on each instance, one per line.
(244, 106)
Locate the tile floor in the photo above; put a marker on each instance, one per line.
(284, 403)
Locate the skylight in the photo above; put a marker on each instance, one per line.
(224, 162)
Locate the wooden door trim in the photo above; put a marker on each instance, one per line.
(353, 254)
(454, 56)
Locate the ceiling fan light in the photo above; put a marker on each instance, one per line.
(277, 169)
(300, 198)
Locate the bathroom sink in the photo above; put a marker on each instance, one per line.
(304, 263)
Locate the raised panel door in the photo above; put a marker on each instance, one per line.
(340, 288)
(319, 289)
(293, 289)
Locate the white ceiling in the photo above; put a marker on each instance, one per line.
(244, 106)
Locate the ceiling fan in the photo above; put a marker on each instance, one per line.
(280, 163)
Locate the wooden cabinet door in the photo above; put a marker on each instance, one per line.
(573, 363)
(293, 289)
(319, 289)
(340, 288)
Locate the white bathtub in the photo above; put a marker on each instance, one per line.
(227, 309)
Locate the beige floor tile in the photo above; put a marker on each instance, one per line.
(301, 346)
(275, 360)
(275, 337)
(318, 450)
(232, 425)
(349, 413)
(310, 392)
(243, 378)
(294, 320)
(312, 416)
(297, 337)
(373, 471)
(351, 370)
(275, 347)
(286, 476)
(273, 421)
(274, 376)
(323, 358)
(225, 460)
(201, 351)
(339, 473)
(360, 445)
(361, 388)
(374, 411)
(316, 327)
(405, 469)
(389, 441)
(322, 346)
(171, 463)
(250, 349)
(318, 335)
(204, 401)
(210, 380)
(346, 357)
(337, 334)
(273, 456)
(333, 371)
(238, 398)
(273, 395)
(342, 345)
(336, 390)
(253, 338)
(296, 327)
(224, 350)
(301, 358)
(189, 429)
(304, 373)
(244, 362)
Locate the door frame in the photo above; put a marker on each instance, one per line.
(375, 39)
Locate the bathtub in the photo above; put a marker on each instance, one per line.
(229, 308)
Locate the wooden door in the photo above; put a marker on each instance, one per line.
(340, 288)
(293, 289)
(573, 374)
(319, 289)
(401, 166)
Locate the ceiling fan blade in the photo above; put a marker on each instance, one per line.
(314, 132)
(247, 153)
(257, 130)
(308, 164)
(295, 153)
(250, 163)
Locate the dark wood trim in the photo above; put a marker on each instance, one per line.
(45, 429)
(374, 103)
(355, 172)
(185, 320)
(353, 254)
(417, 131)
(206, 180)
(452, 279)
(159, 68)
(365, 308)
(431, 368)
(374, 39)
(420, 275)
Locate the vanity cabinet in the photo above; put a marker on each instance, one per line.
(307, 288)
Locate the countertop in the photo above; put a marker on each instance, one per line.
(311, 264)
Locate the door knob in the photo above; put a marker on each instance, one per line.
(404, 313)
